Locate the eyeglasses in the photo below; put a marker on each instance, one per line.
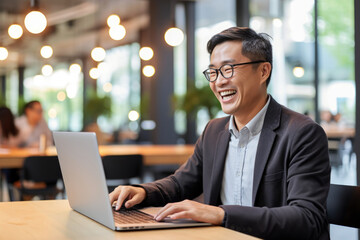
(37, 110)
(226, 70)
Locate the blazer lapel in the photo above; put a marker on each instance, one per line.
(266, 141)
(222, 145)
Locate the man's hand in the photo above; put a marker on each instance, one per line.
(193, 210)
(127, 195)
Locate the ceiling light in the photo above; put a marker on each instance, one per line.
(146, 53)
(98, 54)
(94, 73)
(3, 53)
(75, 68)
(117, 32)
(47, 70)
(113, 20)
(298, 72)
(46, 51)
(15, 31)
(148, 71)
(133, 115)
(174, 36)
(35, 22)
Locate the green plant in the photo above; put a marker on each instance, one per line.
(96, 106)
(195, 99)
(21, 105)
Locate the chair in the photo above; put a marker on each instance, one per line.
(343, 205)
(164, 170)
(42, 172)
(122, 167)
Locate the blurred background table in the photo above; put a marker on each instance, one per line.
(153, 154)
(155, 158)
(336, 131)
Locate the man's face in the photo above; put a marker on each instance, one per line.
(240, 93)
(34, 114)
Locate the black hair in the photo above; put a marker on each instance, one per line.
(255, 46)
(7, 123)
(30, 105)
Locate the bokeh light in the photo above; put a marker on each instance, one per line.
(148, 71)
(146, 53)
(15, 31)
(46, 51)
(174, 36)
(35, 22)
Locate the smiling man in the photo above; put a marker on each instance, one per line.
(264, 170)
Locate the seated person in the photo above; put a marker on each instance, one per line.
(9, 138)
(264, 170)
(9, 133)
(32, 125)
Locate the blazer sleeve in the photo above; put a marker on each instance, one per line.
(303, 215)
(185, 183)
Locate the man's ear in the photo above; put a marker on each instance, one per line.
(265, 71)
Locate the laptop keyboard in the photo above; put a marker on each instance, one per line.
(124, 216)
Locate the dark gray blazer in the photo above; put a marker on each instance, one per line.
(291, 178)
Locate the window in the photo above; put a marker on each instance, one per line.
(211, 18)
(60, 95)
(291, 29)
(120, 79)
(336, 40)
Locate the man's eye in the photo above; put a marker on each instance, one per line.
(212, 72)
(227, 69)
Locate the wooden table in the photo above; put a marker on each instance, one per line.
(153, 154)
(336, 131)
(55, 220)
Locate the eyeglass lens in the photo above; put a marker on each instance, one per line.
(226, 71)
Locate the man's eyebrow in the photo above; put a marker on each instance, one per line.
(223, 62)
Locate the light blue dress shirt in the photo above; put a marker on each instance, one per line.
(237, 184)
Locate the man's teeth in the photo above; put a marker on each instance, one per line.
(227, 97)
(228, 92)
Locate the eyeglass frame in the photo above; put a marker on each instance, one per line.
(38, 111)
(217, 70)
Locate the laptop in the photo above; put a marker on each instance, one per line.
(86, 188)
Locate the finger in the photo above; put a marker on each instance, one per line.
(182, 214)
(182, 204)
(163, 209)
(169, 211)
(124, 193)
(112, 196)
(136, 199)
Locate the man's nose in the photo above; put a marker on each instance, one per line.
(220, 81)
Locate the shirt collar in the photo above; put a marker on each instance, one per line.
(254, 125)
(232, 128)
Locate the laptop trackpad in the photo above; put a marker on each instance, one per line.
(177, 221)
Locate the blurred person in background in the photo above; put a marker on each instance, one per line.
(9, 138)
(32, 126)
(9, 133)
